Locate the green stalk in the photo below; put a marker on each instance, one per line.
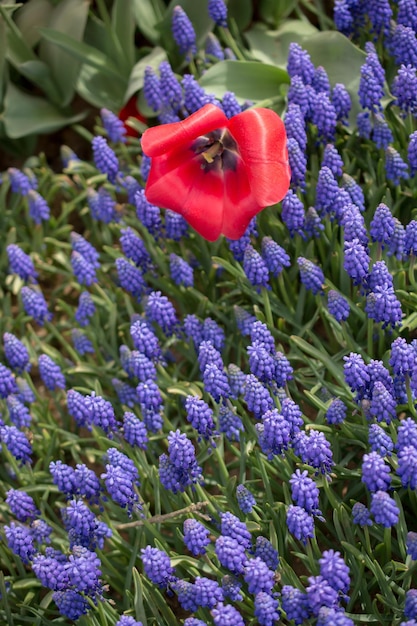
(267, 307)
(367, 541)
(231, 43)
(387, 543)
(410, 396)
(411, 271)
(369, 338)
(284, 292)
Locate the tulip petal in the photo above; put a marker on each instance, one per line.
(240, 205)
(167, 137)
(177, 181)
(262, 141)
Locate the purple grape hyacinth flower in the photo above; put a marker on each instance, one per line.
(51, 373)
(196, 536)
(183, 32)
(300, 523)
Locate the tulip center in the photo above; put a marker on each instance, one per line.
(217, 150)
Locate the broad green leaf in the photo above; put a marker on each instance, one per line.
(153, 59)
(69, 18)
(148, 13)
(248, 80)
(32, 16)
(342, 61)
(273, 11)
(85, 53)
(123, 24)
(271, 46)
(39, 73)
(99, 89)
(25, 115)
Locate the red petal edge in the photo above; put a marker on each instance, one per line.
(161, 139)
(262, 141)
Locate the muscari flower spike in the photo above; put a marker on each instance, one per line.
(183, 32)
(205, 168)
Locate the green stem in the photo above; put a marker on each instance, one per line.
(267, 307)
(231, 43)
(284, 293)
(410, 396)
(367, 541)
(193, 67)
(370, 339)
(224, 474)
(387, 543)
(411, 271)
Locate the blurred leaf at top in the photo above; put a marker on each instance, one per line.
(244, 79)
(273, 12)
(340, 58)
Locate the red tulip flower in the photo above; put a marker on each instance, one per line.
(217, 172)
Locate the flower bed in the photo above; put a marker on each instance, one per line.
(205, 428)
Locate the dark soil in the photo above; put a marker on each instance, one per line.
(50, 145)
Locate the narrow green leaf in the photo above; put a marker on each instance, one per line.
(148, 14)
(321, 356)
(123, 23)
(17, 49)
(69, 18)
(83, 52)
(19, 54)
(24, 114)
(139, 608)
(248, 80)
